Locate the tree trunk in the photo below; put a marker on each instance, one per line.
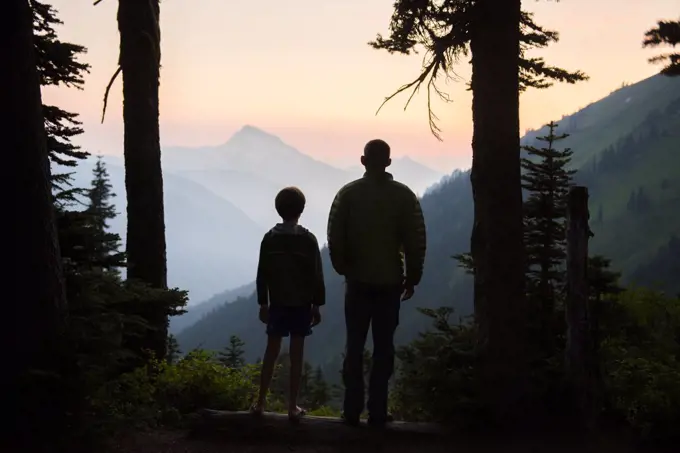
(497, 239)
(138, 23)
(581, 352)
(34, 306)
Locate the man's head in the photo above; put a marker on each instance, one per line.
(376, 155)
(289, 203)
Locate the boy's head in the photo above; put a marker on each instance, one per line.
(289, 203)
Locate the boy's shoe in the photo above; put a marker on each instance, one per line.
(348, 420)
(295, 416)
(257, 409)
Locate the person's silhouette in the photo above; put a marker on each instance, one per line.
(373, 222)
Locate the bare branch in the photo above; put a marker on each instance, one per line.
(97, 2)
(108, 88)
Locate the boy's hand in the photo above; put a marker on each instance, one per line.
(316, 315)
(264, 314)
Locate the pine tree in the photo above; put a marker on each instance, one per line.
(547, 180)
(173, 350)
(319, 391)
(139, 60)
(58, 65)
(233, 354)
(105, 252)
(665, 33)
(497, 35)
(33, 287)
(445, 30)
(602, 281)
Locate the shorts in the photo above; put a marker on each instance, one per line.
(286, 321)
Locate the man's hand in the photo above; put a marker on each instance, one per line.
(264, 314)
(408, 292)
(316, 315)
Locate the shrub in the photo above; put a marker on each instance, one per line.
(435, 373)
(641, 360)
(162, 393)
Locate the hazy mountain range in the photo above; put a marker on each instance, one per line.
(219, 201)
(626, 151)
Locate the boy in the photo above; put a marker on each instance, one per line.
(290, 290)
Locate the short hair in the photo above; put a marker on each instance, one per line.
(377, 151)
(289, 203)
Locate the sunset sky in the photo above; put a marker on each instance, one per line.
(302, 70)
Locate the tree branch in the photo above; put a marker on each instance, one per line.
(108, 88)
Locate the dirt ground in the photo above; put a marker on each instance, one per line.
(163, 441)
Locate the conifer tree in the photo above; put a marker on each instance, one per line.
(319, 393)
(105, 252)
(33, 290)
(547, 180)
(602, 281)
(444, 30)
(173, 350)
(666, 32)
(139, 63)
(58, 65)
(233, 354)
(497, 35)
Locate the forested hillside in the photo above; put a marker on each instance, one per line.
(625, 150)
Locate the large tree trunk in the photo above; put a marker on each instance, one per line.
(33, 289)
(497, 242)
(140, 62)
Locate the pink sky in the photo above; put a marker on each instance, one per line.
(302, 70)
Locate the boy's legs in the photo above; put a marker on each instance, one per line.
(298, 321)
(276, 330)
(268, 364)
(297, 347)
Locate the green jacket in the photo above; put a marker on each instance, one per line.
(374, 221)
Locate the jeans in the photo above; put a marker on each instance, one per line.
(376, 306)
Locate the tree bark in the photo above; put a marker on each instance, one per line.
(138, 23)
(497, 239)
(581, 351)
(35, 303)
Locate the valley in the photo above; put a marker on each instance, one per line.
(219, 201)
(634, 236)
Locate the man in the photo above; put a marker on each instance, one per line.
(374, 221)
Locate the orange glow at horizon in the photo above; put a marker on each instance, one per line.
(298, 70)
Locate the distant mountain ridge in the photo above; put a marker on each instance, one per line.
(628, 159)
(250, 168)
(210, 242)
(219, 201)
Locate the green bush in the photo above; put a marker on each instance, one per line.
(435, 373)
(639, 353)
(641, 360)
(162, 392)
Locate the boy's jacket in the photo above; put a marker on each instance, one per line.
(289, 271)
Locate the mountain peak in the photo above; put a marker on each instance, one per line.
(248, 132)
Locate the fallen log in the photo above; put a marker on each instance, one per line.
(273, 427)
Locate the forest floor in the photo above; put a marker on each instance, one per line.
(180, 441)
(239, 432)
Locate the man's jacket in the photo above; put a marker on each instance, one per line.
(374, 221)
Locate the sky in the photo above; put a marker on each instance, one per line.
(302, 70)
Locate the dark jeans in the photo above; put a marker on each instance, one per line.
(376, 306)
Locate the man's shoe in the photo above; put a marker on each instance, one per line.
(380, 422)
(350, 420)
